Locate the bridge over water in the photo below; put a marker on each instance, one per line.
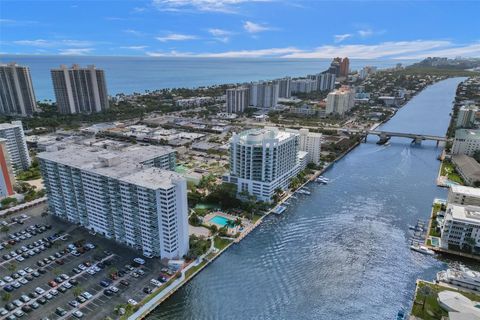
(386, 135)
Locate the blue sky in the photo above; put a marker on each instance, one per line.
(242, 28)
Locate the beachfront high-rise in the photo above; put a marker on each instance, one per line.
(17, 97)
(130, 195)
(264, 95)
(80, 90)
(237, 100)
(284, 89)
(16, 145)
(264, 160)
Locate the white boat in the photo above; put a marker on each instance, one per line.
(322, 180)
(422, 249)
(304, 192)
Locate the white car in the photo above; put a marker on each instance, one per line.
(87, 295)
(91, 271)
(78, 314)
(18, 303)
(82, 267)
(155, 282)
(23, 281)
(67, 285)
(113, 289)
(21, 272)
(39, 290)
(139, 261)
(20, 258)
(8, 279)
(132, 302)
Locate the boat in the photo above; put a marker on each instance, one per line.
(304, 192)
(279, 209)
(322, 180)
(286, 203)
(422, 249)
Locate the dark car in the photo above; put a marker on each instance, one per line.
(107, 292)
(8, 288)
(73, 282)
(62, 289)
(42, 300)
(27, 308)
(124, 283)
(10, 306)
(76, 270)
(60, 311)
(40, 263)
(33, 295)
(105, 283)
(42, 270)
(147, 290)
(60, 261)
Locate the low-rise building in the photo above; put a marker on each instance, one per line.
(468, 168)
(460, 227)
(462, 195)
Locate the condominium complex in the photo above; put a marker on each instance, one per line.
(127, 194)
(7, 178)
(237, 100)
(16, 145)
(340, 67)
(264, 95)
(466, 141)
(340, 101)
(466, 116)
(264, 160)
(325, 81)
(468, 168)
(16, 91)
(284, 87)
(80, 90)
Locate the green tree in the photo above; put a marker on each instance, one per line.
(12, 267)
(77, 291)
(425, 291)
(6, 296)
(4, 229)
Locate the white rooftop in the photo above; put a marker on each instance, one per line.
(257, 136)
(468, 214)
(468, 191)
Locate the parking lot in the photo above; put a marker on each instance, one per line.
(65, 272)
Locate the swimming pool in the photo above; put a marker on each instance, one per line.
(221, 221)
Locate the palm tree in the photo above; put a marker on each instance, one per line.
(425, 291)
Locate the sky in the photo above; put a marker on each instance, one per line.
(241, 28)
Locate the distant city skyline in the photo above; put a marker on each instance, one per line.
(241, 28)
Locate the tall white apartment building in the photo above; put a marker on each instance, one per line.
(284, 87)
(303, 86)
(263, 160)
(324, 81)
(80, 90)
(466, 116)
(16, 91)
(464, 196)
(237, 100)
(340, 101)
(264, 95)
(310, 142)
(128, 195)
(466, 141)
(16, 145)
(460, 227)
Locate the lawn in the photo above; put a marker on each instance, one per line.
(220, 243)
(432, 310)
(192, 270)
(448, 169)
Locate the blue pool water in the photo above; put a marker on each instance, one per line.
(220, 221)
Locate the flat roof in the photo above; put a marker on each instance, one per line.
(468, 214)
(468, 191)
(153, 178)
(124, 163)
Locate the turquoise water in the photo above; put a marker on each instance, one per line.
(138, 74)
(221, 221)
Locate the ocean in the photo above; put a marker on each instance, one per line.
(137, 74)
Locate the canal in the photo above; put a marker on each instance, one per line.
(341, 253)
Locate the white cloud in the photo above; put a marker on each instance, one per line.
(396, 50)
(75, 51)
(252, 27)
(52, 43)
(225, 6)
(17, 23)
(134, 47)
(220, 34)
(176, 37)
(341, 37)
(364, 33)
(134, 32)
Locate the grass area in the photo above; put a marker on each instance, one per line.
(220, 243)
(256, 217)
(448, 170)
(431, 310)
(192, 270)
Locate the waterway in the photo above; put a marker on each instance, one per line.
(341, 253)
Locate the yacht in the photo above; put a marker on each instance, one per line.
(460, 276)
(422, 249)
